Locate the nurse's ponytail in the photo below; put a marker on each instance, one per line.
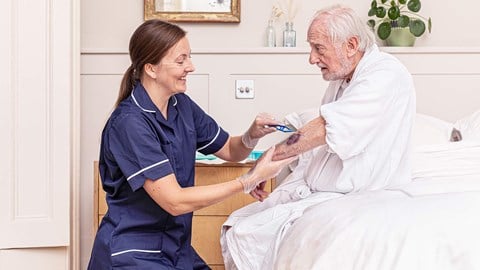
(127, 84)
(148, 45)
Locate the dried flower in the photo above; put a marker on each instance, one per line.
(276, 13)
(289, 9)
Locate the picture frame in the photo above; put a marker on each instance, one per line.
(217, 11)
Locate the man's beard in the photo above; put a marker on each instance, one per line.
(343, 71)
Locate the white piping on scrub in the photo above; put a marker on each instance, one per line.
(135, 250)
(147, 168)
(216, 135)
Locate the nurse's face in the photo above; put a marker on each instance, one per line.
(174, 68)
(331, 58)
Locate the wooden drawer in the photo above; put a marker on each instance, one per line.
(206, 238)
(98, 197)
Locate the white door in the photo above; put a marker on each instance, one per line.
(37, 136)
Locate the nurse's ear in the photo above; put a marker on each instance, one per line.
(150, 70)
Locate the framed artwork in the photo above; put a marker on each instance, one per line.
(222, 11)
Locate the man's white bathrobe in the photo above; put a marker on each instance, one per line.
(369, 122)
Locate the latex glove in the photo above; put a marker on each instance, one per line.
(258, 129)
(263, 170)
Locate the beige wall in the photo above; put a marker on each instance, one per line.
(223, 53)
(107, 24)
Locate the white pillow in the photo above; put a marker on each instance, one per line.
(435, 157)
(428, 130)
(469, 126)
(451, 159)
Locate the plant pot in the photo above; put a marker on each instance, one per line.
(400, 37)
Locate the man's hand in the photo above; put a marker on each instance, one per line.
(259, 192)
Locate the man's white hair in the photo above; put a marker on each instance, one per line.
(342, 22)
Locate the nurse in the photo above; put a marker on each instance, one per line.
(147, 158)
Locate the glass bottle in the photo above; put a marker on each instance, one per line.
(289, 35)
(270, 35)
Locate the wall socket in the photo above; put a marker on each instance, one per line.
(244, 89)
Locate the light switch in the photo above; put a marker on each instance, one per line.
(244, 89)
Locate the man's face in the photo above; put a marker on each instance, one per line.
(330, 58)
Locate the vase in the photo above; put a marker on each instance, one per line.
(271, 38)
(289, 35)
(400, 37)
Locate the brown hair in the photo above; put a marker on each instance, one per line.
(149, 44)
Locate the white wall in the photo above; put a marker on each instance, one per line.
(225, 52)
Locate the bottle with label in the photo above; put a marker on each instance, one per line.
(289, 35)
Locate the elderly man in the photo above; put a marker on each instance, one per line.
(367, 111)
(360, 139)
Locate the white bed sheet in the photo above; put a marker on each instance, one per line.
(427, 225)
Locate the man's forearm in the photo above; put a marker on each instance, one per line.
(306, 138)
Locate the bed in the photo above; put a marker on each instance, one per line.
(431, 223)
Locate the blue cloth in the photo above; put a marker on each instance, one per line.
(138, 143)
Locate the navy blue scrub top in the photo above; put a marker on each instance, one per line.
(138, 143)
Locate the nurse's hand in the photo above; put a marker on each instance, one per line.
(263, 170)
(259, 128)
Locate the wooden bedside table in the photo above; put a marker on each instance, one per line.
(208, 221)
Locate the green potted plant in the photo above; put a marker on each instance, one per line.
(398, 21)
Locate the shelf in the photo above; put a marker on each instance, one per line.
(301, 50)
